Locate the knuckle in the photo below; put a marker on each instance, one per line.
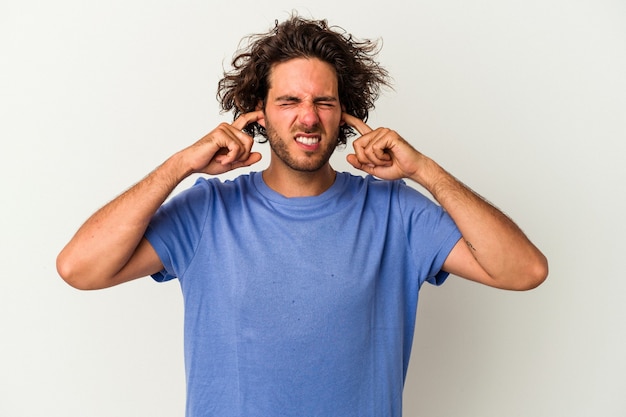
(247, 139)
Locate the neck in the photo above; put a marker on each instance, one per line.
(292, 183)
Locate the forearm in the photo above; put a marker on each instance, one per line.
(497, 253)
(494, 240)
(108, 249)
(107, 240)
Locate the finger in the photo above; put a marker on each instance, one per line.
(237, 151)
(224, 142)
(354, 161)
(378, 149)
(216, 167)
(236, 145)
(356, 123)
(253, 158)
(360, 154)
(370, 149)
(247, 118)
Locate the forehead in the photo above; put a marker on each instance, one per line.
(301, 77)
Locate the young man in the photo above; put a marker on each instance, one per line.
(300, 283)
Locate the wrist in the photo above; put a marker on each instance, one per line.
(176, 168)
(429, 174)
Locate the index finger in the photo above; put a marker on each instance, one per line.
(356, 123)
(247, 118)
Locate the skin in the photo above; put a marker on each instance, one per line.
(493, 250)
(109, 248)
(302, 102)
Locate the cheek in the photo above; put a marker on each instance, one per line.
(332, 119)
(279, 119)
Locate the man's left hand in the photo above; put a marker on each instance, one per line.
(382, 152)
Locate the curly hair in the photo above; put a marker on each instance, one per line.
(359, 75)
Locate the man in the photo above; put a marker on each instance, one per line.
(300, 283)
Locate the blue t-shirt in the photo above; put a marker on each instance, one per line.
(299, 306)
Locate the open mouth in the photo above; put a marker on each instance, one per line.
(308, 140)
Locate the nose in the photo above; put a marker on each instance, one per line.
(308, 115)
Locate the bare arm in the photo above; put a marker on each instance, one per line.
(493, 250)
(109, 248)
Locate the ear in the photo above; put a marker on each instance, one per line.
(343, 110)
(260, 106)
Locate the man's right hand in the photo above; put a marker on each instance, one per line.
(225, 148)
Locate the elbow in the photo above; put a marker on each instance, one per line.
(536, 273)
(68, 272)
(539, 272)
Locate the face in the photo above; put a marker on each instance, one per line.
(302, 113)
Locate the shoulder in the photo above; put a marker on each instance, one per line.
(397, 190)
(368, 182)
(204, 195)
(212, 187)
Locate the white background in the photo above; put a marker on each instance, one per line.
(525, 101)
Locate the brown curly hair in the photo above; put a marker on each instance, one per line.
(360, 77)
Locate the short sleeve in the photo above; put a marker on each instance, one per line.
(175, 230)
(431, 233)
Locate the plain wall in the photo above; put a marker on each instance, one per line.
(525, 101)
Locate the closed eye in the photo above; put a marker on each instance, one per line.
(287, 100)
(325, 101)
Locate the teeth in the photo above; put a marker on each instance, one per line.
(307, 141)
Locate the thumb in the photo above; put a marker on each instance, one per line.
(354, 161)
(253, 158)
